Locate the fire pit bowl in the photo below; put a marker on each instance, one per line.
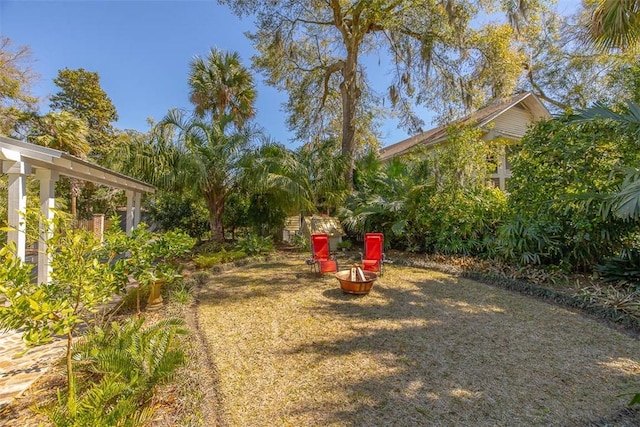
(356, 287)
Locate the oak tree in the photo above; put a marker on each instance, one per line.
(16, 78)
(569, 74)
(81, 94)
(438, 55)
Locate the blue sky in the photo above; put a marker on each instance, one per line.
(141, 50)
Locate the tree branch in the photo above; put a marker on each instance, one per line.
(540, 93)
(333, 68)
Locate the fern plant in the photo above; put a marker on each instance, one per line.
(109, 402)
(142, 356)
(623, 269)
(129, 360)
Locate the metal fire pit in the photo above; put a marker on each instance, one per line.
(357, 287)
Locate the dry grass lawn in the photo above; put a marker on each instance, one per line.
(423, 348)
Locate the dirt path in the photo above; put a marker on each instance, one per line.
(423, 348)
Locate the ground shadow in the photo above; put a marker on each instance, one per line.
(448, 351)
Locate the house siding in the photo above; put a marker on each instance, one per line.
(514, 121)
(504, 121)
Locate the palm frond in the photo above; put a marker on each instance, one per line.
(615, 24)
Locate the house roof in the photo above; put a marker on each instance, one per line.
(324, 224)
(481, 118)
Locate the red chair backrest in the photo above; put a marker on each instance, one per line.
(320, 246)
(373, 245)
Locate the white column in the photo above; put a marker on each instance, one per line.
(137, 201)
(47, 180)
(17, 204)
(129, 214)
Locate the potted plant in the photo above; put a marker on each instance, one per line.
(149, 258)
(165, 250)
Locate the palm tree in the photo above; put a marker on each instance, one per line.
(323, 166)
(206, 160)
(615, 24)
(383, 195)
(222, 86)
(625, 203)
(274, 170)
(65, 132)
(281, 182)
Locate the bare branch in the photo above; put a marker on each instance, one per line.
(540, 93)
(329, 71)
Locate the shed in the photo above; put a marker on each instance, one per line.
(324, 224)
(292, 226)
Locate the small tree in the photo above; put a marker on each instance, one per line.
(83, 280)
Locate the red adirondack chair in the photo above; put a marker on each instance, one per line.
(321, 257)
(373, 257)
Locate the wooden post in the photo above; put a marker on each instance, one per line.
(47, 180)
(129, 214)
(17, 204)
(98, 226)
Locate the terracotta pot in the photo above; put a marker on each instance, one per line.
(155, 297)
(358, 288)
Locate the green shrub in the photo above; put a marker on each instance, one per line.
(209, 260)
(142, 356)
(557, 166)
(149, 257)
(623, 269)
(253, 244)
(525, 240)
(180, 211)
(180, 291)
(83, 279)
(182, 294)
(210, 247)
(435, 199)
(300, 242)
(460, 221)
(121, 364)
(107, 402)
(345, 244)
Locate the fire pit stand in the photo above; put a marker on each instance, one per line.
(357, 286)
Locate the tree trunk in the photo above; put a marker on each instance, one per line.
(215, 206)
(75, 192)
(350, 93)
(71, 382)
